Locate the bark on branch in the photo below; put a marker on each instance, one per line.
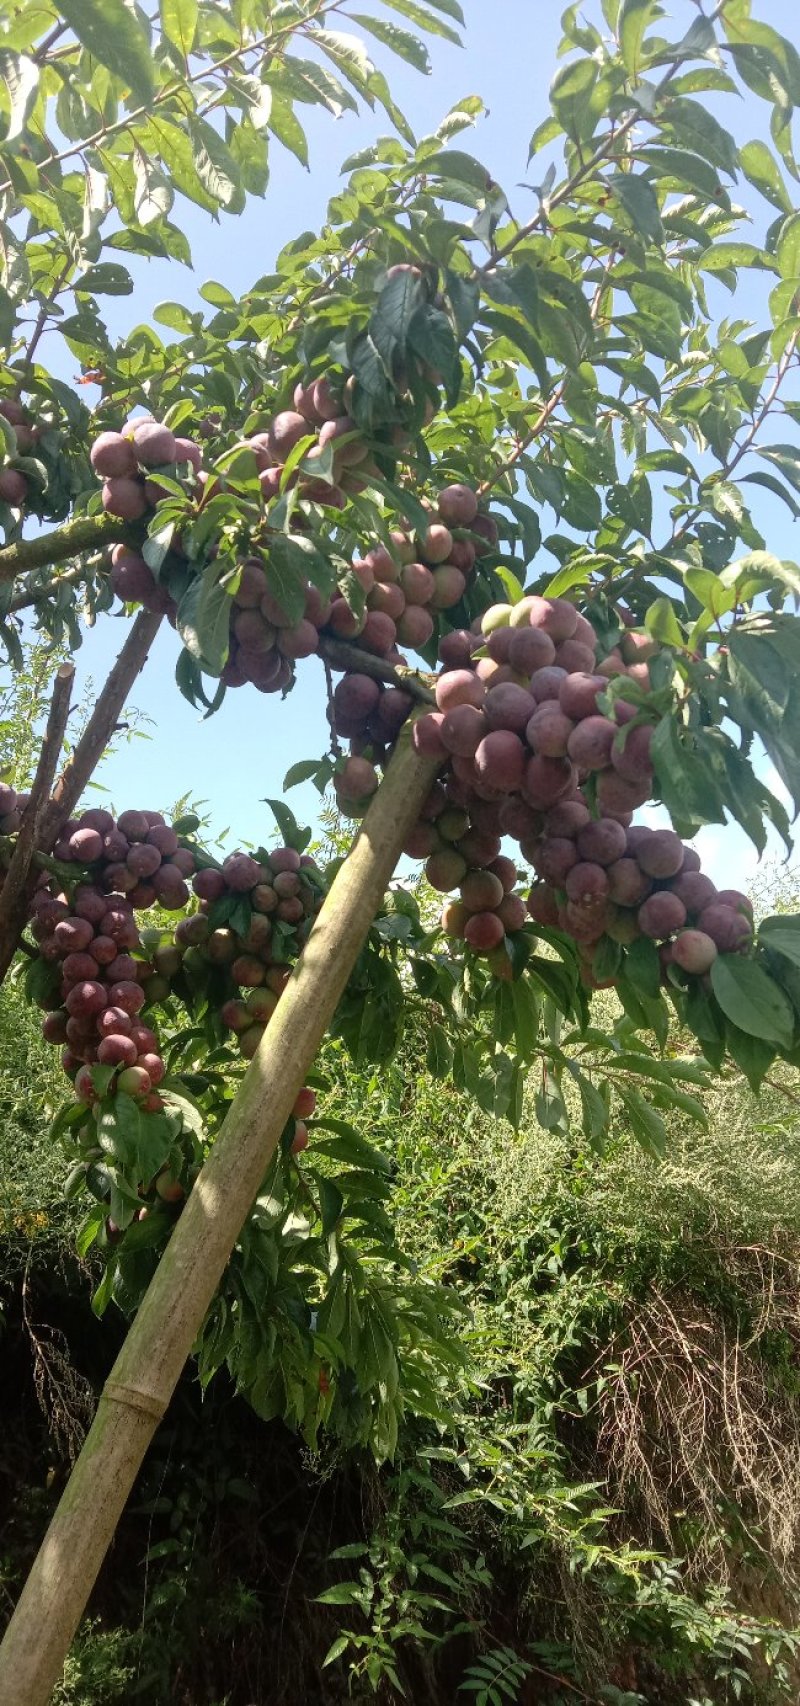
(341, 655)
(84, 533)
(20, 877)
(79, 770)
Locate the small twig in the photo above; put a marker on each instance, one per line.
(17, 876)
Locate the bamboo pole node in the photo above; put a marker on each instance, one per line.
(133, 1398)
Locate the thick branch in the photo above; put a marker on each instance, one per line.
(78, 773)
(84, 533)
(14, 894)
(341, 655)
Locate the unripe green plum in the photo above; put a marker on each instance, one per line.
(134, 1081)
(445, 869)
(622, 925)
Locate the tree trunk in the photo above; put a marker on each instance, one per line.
(147, 1370)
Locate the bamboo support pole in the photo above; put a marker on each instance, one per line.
(147, 1370)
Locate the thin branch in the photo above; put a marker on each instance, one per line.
(42, 319)
(101, 725)
(343, 656)
(83, 533)
(14, 892)
(39, 594)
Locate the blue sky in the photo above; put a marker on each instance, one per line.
(241, 755)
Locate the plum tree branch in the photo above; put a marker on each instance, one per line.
(83, 533)
(343, 656)
(78, 771)
(14, 894)
(29, 595)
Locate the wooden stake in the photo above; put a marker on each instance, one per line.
(147, 1370)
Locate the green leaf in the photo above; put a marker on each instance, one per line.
(425, 20)
(153, 195)
(632, 21)
(21, 77)
(215, 165)
(439, 1053)
(752, 999)
(179, 23)
(106, 279)
(213, 617)
(397, 304)
(284, 123)
(400, 41)
(647, 1126)
(762, 170)
(693, 127)
(782, 935)
(112, 33)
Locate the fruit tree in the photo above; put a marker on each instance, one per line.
(509, 484)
